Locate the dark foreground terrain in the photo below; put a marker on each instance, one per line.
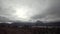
(28, 30)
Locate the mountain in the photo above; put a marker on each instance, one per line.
(57, 23)
(39, 23)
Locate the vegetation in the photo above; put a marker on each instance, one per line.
(27, 30)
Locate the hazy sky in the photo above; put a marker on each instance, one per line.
(29, 10)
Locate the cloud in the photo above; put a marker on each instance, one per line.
(3, 19)
(52, 13)
(43, 10)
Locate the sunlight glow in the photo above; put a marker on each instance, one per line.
(23, 13)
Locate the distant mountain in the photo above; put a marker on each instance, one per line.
(4, 24)
(22, 24)
(57, 23)
(38, 23)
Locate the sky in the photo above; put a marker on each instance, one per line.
(29, 10)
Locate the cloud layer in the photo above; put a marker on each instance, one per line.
(43, 10)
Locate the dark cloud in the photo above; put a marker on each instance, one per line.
(4, 19)
(52, 13)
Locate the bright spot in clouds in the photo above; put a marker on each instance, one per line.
(24, 13)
